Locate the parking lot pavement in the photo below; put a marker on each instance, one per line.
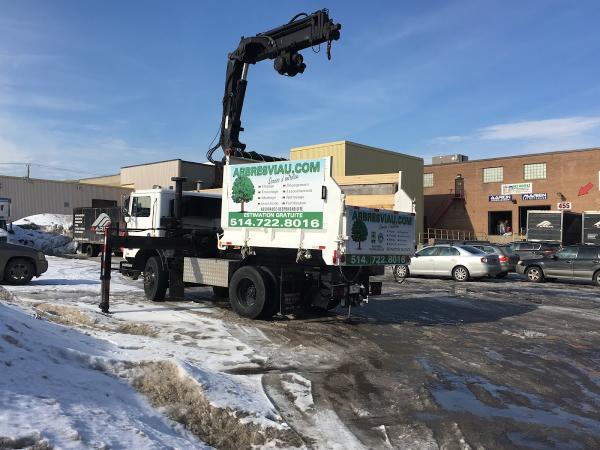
(434, 363)
(429, 364)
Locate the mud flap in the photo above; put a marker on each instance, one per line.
(290, 290)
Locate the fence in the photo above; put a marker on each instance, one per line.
(431, 234)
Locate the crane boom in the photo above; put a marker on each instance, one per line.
(281, 44)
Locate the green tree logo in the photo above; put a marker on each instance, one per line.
(242, 190)
(359, 232)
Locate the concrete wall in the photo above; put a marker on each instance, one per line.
(32, 196)
(566, 172)
(350, 158)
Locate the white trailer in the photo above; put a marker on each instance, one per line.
(278, 238)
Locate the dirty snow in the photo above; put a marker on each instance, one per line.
(49, 233)
(300, 389)
(73, 375)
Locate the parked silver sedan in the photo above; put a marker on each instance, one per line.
(461, 262)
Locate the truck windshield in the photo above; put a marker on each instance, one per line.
(141, 207)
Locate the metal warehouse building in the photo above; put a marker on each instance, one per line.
(34, 196)
(478, 195)
(145, 176)
(360, 168)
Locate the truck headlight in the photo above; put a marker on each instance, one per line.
(41, 256)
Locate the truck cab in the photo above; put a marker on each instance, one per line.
(149, 211)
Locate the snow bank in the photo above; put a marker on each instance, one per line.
(48, 222)
(49, 233)
(54, 392)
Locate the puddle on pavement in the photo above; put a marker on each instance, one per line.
(480, 397)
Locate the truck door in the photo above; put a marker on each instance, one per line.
(561, 266)
(141, 215)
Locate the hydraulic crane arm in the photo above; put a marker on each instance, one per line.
(281, 44)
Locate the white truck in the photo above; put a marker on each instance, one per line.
(279, 237)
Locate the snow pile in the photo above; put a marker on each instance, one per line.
(56, 390)
(48, 233)
(51, 223)
(71, 384)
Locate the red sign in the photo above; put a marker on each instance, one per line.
(584, 190)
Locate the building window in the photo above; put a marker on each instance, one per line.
(493, 174)
(534, 171)
(427, 180)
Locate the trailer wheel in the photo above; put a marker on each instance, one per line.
(247, 292)
(156, 280)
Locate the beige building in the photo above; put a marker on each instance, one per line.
(145, 176)
(369, 175)
(31, 196)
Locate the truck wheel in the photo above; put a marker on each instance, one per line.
(535, 274)
(89, 250)
(220, 292)
(95, 250)
(156, 280)
(248, 292)
(460, 273)
(19, 271)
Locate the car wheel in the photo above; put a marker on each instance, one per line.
(19, 271)
(401, 272)
(460, 274)
(156, 280)
(248, 292)
(534, 274)
(597, 278)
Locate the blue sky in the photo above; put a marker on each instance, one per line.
(92, 86)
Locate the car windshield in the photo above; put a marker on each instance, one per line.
(473, 250)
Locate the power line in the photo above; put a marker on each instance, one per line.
(47, 166)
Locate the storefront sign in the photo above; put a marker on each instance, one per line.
(517, 188)
(564, 206)
(540, 196)
(500, 198)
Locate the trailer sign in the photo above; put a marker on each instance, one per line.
(283, 194)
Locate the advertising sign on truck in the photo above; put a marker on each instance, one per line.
(379, 236)
(287, 194)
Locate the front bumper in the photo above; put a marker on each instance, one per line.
(42, 266)
(520, 269)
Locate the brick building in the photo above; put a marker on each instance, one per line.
(478, 195)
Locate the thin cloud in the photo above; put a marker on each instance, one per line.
(533, 130)
(540, 129)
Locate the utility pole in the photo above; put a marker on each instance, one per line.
(28, 169)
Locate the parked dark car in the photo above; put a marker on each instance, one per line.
(19, 264)
(508, 258)
(530, 250)
(574, 262)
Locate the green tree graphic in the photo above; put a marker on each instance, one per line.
(359, 232)
(242, 191)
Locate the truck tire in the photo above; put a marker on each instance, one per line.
(88, 249)
(156, 280)
(19, 271)
(248, 292)
(95, 250)
(220, 292)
